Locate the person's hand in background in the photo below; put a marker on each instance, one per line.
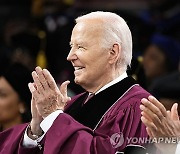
(161, 123)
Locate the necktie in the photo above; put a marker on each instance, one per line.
(89, 97)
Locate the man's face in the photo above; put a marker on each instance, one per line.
(88, 58)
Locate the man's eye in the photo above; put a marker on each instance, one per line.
(80, 47)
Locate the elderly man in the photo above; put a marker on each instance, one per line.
(99, 120)
(162, 124)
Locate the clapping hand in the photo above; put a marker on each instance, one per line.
(46, 96)
(160, 123)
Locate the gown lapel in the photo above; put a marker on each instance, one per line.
(90, 113)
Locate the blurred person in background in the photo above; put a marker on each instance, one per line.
(161, 57)
(20, 42)
(15, 97)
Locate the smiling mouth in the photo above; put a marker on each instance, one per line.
(78, 68)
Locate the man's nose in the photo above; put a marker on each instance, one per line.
(71, 56)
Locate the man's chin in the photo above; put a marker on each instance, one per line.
(77, 80)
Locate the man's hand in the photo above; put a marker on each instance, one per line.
(48, 98)
(159, 122)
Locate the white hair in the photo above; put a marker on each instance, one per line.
(115, 31)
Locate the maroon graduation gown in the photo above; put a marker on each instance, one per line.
(87, 129)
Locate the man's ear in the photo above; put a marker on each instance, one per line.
(115, 53)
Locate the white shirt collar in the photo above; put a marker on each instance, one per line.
(118, 79)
